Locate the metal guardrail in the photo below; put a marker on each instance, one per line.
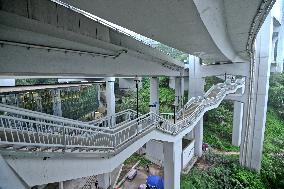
(26, 130)
(115, 120)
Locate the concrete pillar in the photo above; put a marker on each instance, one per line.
(172, 164)
(198, 138)
(104, 180)
(237, 123)
(61, 185)
(196, 88)
(57, 111)
(280, 48)
(154, 94)
(152, 147)
(255, 109)
(110, 99)
(8, 178)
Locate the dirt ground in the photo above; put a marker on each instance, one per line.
(142, 176)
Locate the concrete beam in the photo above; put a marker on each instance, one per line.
(197, 28)
(72, 45)
(212, 14)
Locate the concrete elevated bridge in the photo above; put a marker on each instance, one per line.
(66, 39)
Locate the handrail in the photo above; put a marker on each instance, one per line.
(111, 121)
(19, 127)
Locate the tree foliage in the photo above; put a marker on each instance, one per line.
(172, 52)
(217, 132)
(276, 93)
(166, 97)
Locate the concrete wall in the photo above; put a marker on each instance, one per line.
(155, 152)
(187, 154)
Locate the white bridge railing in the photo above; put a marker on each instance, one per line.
(26, 130)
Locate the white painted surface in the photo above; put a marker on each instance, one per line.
(172, 164)
(129, 83)
(8, 178)
(196, 88)
(7, 82)
(190, 29)
(104, 180)
(154, 94)
(253, 128)
(155, 152)
(110, 98)
(187, 154)
(237, 123)
(76, 36)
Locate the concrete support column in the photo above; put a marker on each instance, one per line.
(198, 138)
(196, 88)
(110, 99)
(57, 111)
(153, 148)
(237, 123)
(280, 48)
(154, 95)
(104, 180)
(255, 109)
(61, 185)
(172, 164)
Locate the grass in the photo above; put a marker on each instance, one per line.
(224, 170)
(218, 126)
(136, 157)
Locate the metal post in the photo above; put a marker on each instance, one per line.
(137, 100)
(174, 114)
(137, 96)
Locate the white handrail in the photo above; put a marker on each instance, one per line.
(19, 126)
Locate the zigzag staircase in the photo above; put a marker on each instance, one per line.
(25, 130)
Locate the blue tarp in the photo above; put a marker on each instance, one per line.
(155, 181)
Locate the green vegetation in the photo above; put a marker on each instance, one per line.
(76, 102)
(35, 81)
(166, 97)
(223, 171)
(218, 125)
(172, 52)
(136, 157)
(276, 93)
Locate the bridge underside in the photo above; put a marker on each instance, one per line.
(51, 40)
(40, 38)
(213, 30)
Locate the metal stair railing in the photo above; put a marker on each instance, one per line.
(30, 131)
(114, 120)
(47, 118)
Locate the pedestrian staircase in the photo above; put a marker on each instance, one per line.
(25, 130)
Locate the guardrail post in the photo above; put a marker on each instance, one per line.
(64, 137)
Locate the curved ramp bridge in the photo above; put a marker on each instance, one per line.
(37, 148)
